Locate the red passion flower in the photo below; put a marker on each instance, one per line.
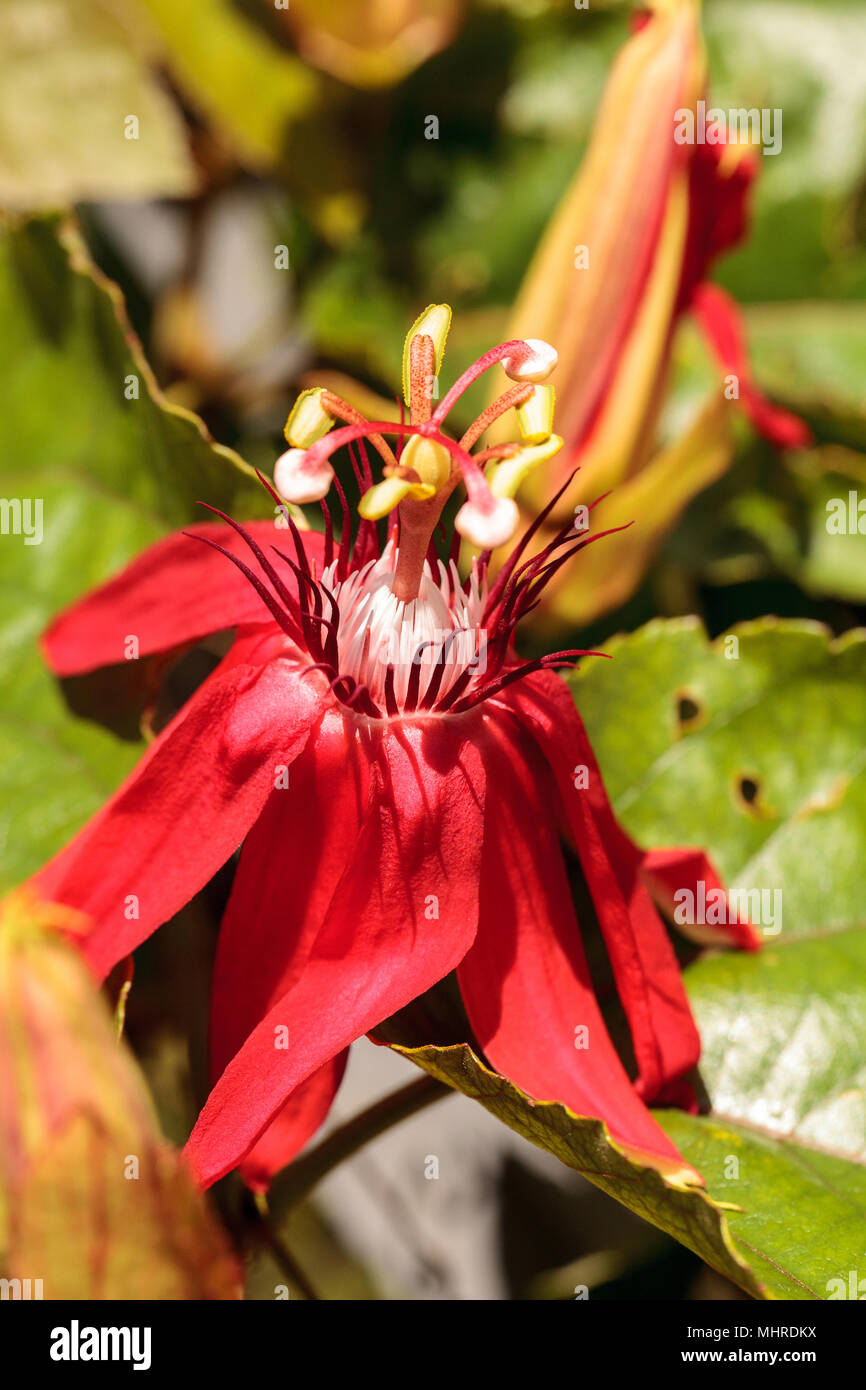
(397, 778)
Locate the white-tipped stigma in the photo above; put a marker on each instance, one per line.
(535, 363)
(298, 483)
(490, 527)
(377, 630)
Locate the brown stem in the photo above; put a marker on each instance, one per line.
(283, 1256)
(298, 1180)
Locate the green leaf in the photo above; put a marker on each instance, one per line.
(802, 1212)
(685, 777)
(752, 746)
(791, 57)
(813, 357)
(687, 1213)
(784, 1039)
(813, 534)
(73, 75)
(111, 474)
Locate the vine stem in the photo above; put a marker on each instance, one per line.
(301, 1177)
(280, 1252)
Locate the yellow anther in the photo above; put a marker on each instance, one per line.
(431, 461)
(308, 420)
(535, 416)
(511, 473)
(434, 323)
(383, 497)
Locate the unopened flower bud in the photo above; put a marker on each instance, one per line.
(94, 1203)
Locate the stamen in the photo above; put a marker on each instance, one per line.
(308, 419)
(434, 324)
(387, 610)
(514, 396)
(535, 415)
(344, 411)
(527, 359)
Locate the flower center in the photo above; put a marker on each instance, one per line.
(439, 631)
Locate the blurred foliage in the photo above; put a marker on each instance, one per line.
(56, 144)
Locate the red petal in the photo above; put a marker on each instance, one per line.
(178, 591)
(663, 871)
(526, 983)
(382, 943)
(668, 871)
(186, 807)
(303, 1113)
(290, 866)
(720, 319)
(720, 180)
(648, 978)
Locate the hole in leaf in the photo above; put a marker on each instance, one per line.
(690, 713)
(750, 795)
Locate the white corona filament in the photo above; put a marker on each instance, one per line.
(376, 629)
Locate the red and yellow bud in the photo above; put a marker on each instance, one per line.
(93, 1202)
(604, 281)
(622, 259)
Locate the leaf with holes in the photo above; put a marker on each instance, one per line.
(712, 745)
(753, 747)
(95, 465)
